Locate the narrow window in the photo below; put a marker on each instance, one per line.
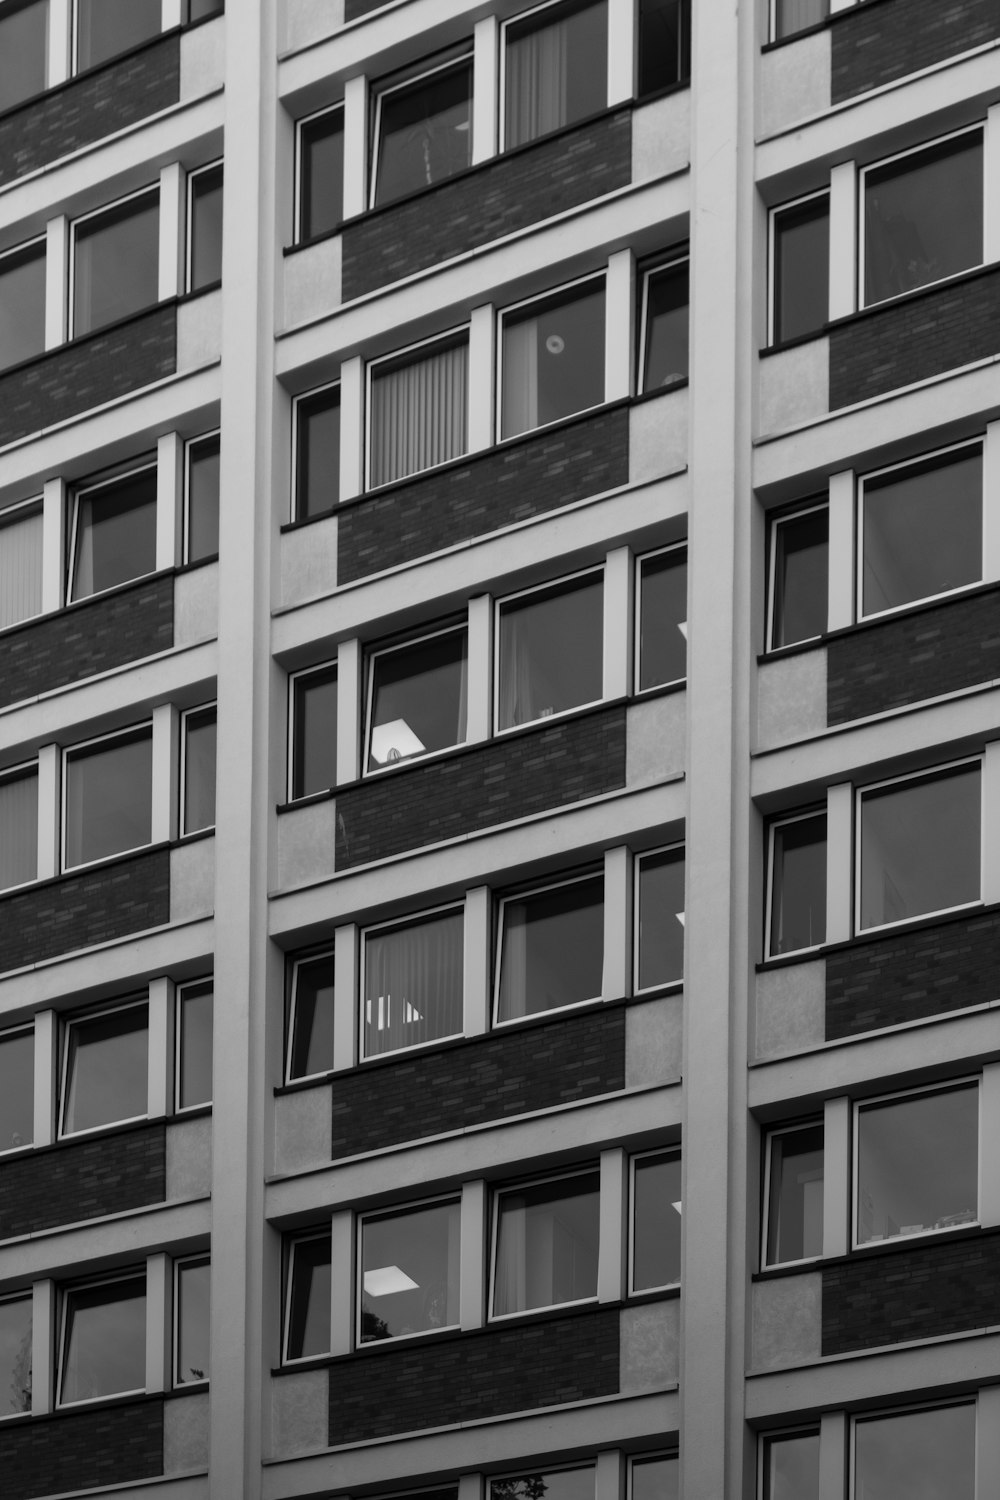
(409, 1272)
(20, 563)
(201, 521)
(423, 131)
(116, 261)
(662, 618)
(799, 577)
(917, 1164)
(551, 948)
(24, 35)
(546, 1244)
(307, 1307)
(107, 28)
(108, 792)
(198, 769)
(113, 536)
(656, 1221)
(204, 228)
(194, 1045)
(794, 1194)
(791, 16)
(317, 453)
(413, 983)
(655, 1478)
(551, 651)
(908, 1453)
(552, 358)
(103, 1340)
(565, 1484)
(800, 247)
(664, 44)
(192, 1319)
(105, 1068)
(15, 1341)
(310, 1021)
(22, 297)
(790, 1466)
(419, 409)
(660, 918)
(797, 886)
(664, 352)
(555, 69)
(418, 698)
(18, 827)
(321, 174)
(17, 1091)
(313, 756)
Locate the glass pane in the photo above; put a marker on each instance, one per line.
(419, 412)
(917, 1455)
(115, 534)
(553, 359)
(923, 530)
(321, 180)
(795, 15)
(920, 846)
(314, 732)
(116, 262)
(309, 1302)
(425, 133)
(200, 10)
(15, 1354)
(419, 699)
(663, 618)
(568, 1484)
(199, 770)
(661, 918)
(24, 33)
(918, 1164)
(413, 983)
(22, 300)
(795, 1196)
(203, 500)
(547, 1244)
(20, 565)
(552, 949)
(556, 70)
(18, 830)
(317, 454)
(17, 1094)
(106, 28)
(656, 1248)
(106, 1069)
(664, 45)
(798, 885)
(311, 1046)
(195, 1047)
(801, 269)
(193, 1319)
(409, 1272)
(105, 1340)
(655, 1479)
(800, 578)
(109, 796)
(666, 346)
(791, 1467)
(551, 652)
(206, 229)
(924, 217)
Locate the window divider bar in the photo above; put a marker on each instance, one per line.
(472, 1255)
(165, 788)
(349, 693)
(610, 1475)
(482, 368)
(476, 961)
(621, 51)
(171, 225)
(991, 823)
(352, 427)
(355, 146)
(160, 1047)
(989, 1166)
(485, 86)
(832, 1455)
(991, 186)
(60, 27)
(612, 1260)
(843, 239)
(171, 14)
(158, 1322)
(479, 669)
(46, 1049)
(169, 498)
(342, 1299)
(839, 866)
(53, 544)
(43, 1344)
(56, 280)
(991, 503)
(470, 1487)
(836, 1180)
(619, 622)
(840, 552)
(618, 879)
(346, 989)
(619, 329)
(48, 812)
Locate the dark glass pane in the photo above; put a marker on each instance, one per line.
(553, 359)
(551, 652)
(203, 500)
(556, 70)
(206, 229)
(17, 1094)
(664, 44)
(800, 578)
(801, 269)
(920, 846)
(314, 732)
(200, 10)
(663, 618)
(661, 918)
(791, 1467)
(655, 1479)
(199, 770)
(924, 217)
(116, 263)
(109, 794)
(115, 534)
(425, 133)
(795, 1197)
(418, 699)
(18, 830)
(413, 983)
(22, 301)
(666, 347)
(104, 1352)
(798, 885)
(321, 168)
(20, 563)
(552, 952)
(547, 1244)
(23, 47)
(923, 530)
(196, 1007)
(917, 1454)
(311, 1045)
(565, 1484)
(15, 1356)
(317, 456)
(656, 1248)
(918, 1164)
(105, 28)
(409, 1272)
(194, 1289)
(106, 1069)
(309, 1302)
(795, 15)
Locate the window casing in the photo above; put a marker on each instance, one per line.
(661, 618)
(793, 1194)
(20, 562)
(789, 1464)
(928, 1450)
(112, 533)
(107, 797)
(554, 68)
(551, 354)
(307, 1296)
(15, 1343)
(103, 29)
(18, 826)
(655, 1240)
(105, 1068)
(309, 1049)
(115, 256)
(412, 982)
(192, 1318)
(663, 343)
(201, 498)
(194, 1033)
(198, 737)
(550, 948)
(423, 130)
(796, 890)
(316, 453)
(545, 1244)
(659, 917)
(319, 176)
(312, 729)
(798, 576)
(204, 228)
(418, 408)
(417, 698)
(24, 31)
(549, 650)
(799, 246)
(408, 1281)
(17, 1096)
(22, 296)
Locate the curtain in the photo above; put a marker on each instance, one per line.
(419, 413)
(18, 830)
(413, 984)
(796, 15)
(21, 567)
(513, 997)
(518, 698)
(537, 78)
(510, 1292)
(520, 377)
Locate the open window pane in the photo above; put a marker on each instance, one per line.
(663, 618)
(194, 1016)
(656, 1222)
(205, 264)
(795, 1194)
(567, 1484)
(413, 983)
(553, 358)
(419, 411)
(661, 918)
(114, 534)
(923, 217)
(314, 732)
(104, 1340)
(199, 770)
(307, 1331)
(106, 1069)
(798, 884)
(24, 33)
(116, 259)
(791, 1467)
(18, 829)
(665, 335)
(15, 1348)
(546, 1244)
(801, 291)
(799, 577)
(551, 948)
(664, 44)
(321, 174)
(109, 796)
(419, 698)
(556, 70)
(20, 564)
(916, 1453)
(22, 298)
(203, 499)
(409, 1272)
(655, 1479)
(918, 1164)
(920, 843)
(317, 453)
(551, 651)
(424, 132)
(310, 1047)
(17, 1094)
(922, 530)
(106, 28)
(194, 1291)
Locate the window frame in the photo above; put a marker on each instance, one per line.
(206, 984)
(298, 237)
(671, 1455)
(674, 1154)
(410, 919)
(456, 335)
(551, 292)
(24, 1295)
(898, 1411)
(772, 218)
(668, 986)
(79, 492)
(82, 1017)
(293, 680)
(197, 1258)
(21, 249)
(389, 1211)
(520, 893)
(190, 444)
(21, 771)
(8, 1033)
(132, 1273)
(781, 820)
(189, 187)
(764, 1439)
(461, 626)
(811, 506)
(465, 60)
(291, 1244)
(151, 189)
(142, 730)
(674, 259)
(75, 70)
(294, 518)
(806, 1123)
(505, 25)
(497, 1193)
(327, 950)
(640, 558)
(186, 715)
(555, 587)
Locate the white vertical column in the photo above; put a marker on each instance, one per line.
(173, 190)
(987, 1443)
(477, 929)
(43, 1343)
(166, 756)
(349, 696)
(619, 574)
(171, 14)
(609, 1480)
(53, 544)
(991, 186)
(355, 146)
(617, 974)
(46, 1075)
(621, 50)
(991, 822)
(485, 89)
(472, 1255)
(832, 1455)
(619, 318)
(158, 1322)
(840, 553)
(479, 715)
(482, 366)
(611, 1256)
(470, 1487)
(169, 499)
(56, 281)
(346, 985)
(60, 31)
(991, 503)
(49, 810)
(839, 881)
(989, 1134)
(342, 1271)
(352, 428)
(836, 1176)
(160, 1051)
(843, 239)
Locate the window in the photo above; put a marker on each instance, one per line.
(115, 260)
(922, 216)
(307, 1297)
(664, 44)
(105, 1067)
(552, 357)
(201, 518)
(902, 1454)
(194, 1045)
(417, 698)
(313, 751)
(418, 404)
(797, 884)
(921, 529)
(15, 1338)
(192, 1317)
(662, 622)
(919, 843)
(198, 769)
(790, 1466)
(663, 355)
(112, 533)
(18, 826)
(24, 33)
(799, 577)
(412, 982)
(916, 1163)
(321, 174)
(656, 1221)
(800, 268)
(550, 643)
(551, 948)
(22, 295)
(655, 1478)
(567, 1484)
(659, 918)
(790, 16)
(103, 1339)
(17, 1094)
(20, 562)
(204, 250)
(107, 797)
(793, 1194)
(555, 69)
(317, 453)
(546, 1244)
(310, 1018)
(106, 28)
(409, 1271)
(423, 131)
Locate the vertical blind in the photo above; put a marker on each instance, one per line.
(419, 412)
(20, 566)
(18, 829)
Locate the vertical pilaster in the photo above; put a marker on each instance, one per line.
(843, 239)
(486, 80)
(840, 552)
(476, 962)
(839, 813)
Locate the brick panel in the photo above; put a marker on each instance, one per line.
(87, 373)
(83, 1450)
(493, 489)
(79, 911)
(908, 658)
(509, 1072)
(907, 975)
(915, 338)
(496, 199)
(85, 1179)
(919, 1292)
(877, 43)
(474, 1376)
(92, 637)
(498, 782)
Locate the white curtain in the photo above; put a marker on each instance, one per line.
(520, 377)
(419, 414)
(20, 567)
(537, 77)
(510, 1292)
(796, 15)
(18, 830)
(518, 697)
(413, 984)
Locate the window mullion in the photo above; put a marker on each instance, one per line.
(844, 248)
(837, 1208)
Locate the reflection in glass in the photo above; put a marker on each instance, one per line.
(663, 618)
(15, 1354)
(551, 949)
(193, 1319)
(920, 843)
(798, 884)
(664, 44)
(551, 651)
(795, 1195)
(791, 1467)
(801, 269)
(424, 132)
(109, 796)
(918, 1164)
(317, 453)
(314, 732)
(546, 1248)
(24, 34)
(661, 918)
(665, 347)
(799, 577)
(104, 1340)
(114, 533)
(553, 358)
(17, 1093)
(203, 499)
(409, 1272)
(116, 262)
(18, 829)
(308, 1326)
(656, 1247)
(923, 217)
(795, 15)
(22, 300)
(922, 530)
(20, 564)
(419, 410)
(556, 70)
(205, 267)
(566, 1484)
(107, 28)
(419, 698)
(106, 1069)
(310, 1047)
(321, 174)
(195, 1048)
(917, 1455)
(199, 770)
(413, 983)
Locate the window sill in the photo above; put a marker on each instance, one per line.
(876, 1251)
(860, 940)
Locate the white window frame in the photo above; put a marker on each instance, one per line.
(317, 390)
(294, 678)
(455, 335)
(138, 731)
(815, 810)
(804, 1429)
(79, 492)
(553, 586)
(669, 986)
(150, 189)
(765, 1217)
(522, 895)
(899, 1411)
(302, 958)
(505, 26)
(199, 1258)
(186, 714)
(21, 1296)
(192, 178)
(411, 919)
(14, 773)
(464, 61)
(499, 1192)
(182, 990)
(672, 261)
(636, 1157)
(8, 1033)
(292, 1243)
(328, 109)
(131, 1274)
(134, 1002)
(404, 645)
(550, 292)
(641, 558)
(772, 217)
(390, 1211)
(773, 522)
(192, 443)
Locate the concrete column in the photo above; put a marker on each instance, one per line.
(56, 280)
(342, 1271)
(169, 499)
(482, 365)
(171, 14)
(470, 1487)
(166, 748)
(173, 192)
(355, 146)
(479, 713)
(46, 1076)
(158, 1322)
(160, 1052)
(43, 1345)
(617, 976)
(60, 32)
(350, 689)
(619, 315)
(843, 239)
(53, 544)
(478, 932)
(840, 553)
(839, 872)
(346, 971)
(49, 810)
(609, 1480)
(485, 89)
(621, 51)
(836, 1176)
(352, 428)
(832, 1455)
(989, 1165)
(612, 1257)
(991, 186)
(991, 503)
(472, 1255)
(991, 822)
(619, 622)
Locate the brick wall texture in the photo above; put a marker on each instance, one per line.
(496, 199)
(89, 108)
(917, 1292)
(85, 1179)
(79, 911)
(911, 974)
(877, 43)
(87, 373)
(497, 782)
(938, 649)
(506, 1073)
(83, 1450)
(475, 1376)
(497, 488)
(91, 637)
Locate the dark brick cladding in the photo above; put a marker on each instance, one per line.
(85, 1179)
(89, 108)
(497, 782)
(920, 1292)
(509, 1072)
(85, 1450)
(87, 373)
(78, 911)
(493, 489)
(909, 974)
(939, 649)
(915, 338)
(474, 1376)
(877, 43)
(92, 637)
(498, 198)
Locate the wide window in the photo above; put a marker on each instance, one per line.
(655, 1478)
(797, 884)
(313, 751)
(552, 357)
(662, 623)
(192, 1318)
(20, 562)
(917, 1164)
(799, 574)
(800, 268)
(923, 216)
(201, 518)
(321, 174)
(113, 536)
(17, 1093)
(423, 131)
(551, 948)
(546, 1243)
(15, 1341)
(108, 795)
(551, 650)
(18, 827)
(664, 44)
(790, 1466)
(116, 261)
(105, 1068)
(418, 698)
(194, 1045)
(204, 228)
(22, 297)
(659, 934)
(663, 355)
(931, 1451)
(317, 453)
(409, 1272)
(307, 1297)
(555, 69)
(103, 1345)
(106, 28)
(656, 1221)
(412, 983)
(310, 1019)
(24, 30)
(198, 734)
(418, 409)
(793, 1194)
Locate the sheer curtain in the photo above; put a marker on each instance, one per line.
(419, 414)
(520, 376)
(510, 1292)
(518, 703)
(18, 830)
(537, 81)
(20, 567)
(796, 15)
(413, 984)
